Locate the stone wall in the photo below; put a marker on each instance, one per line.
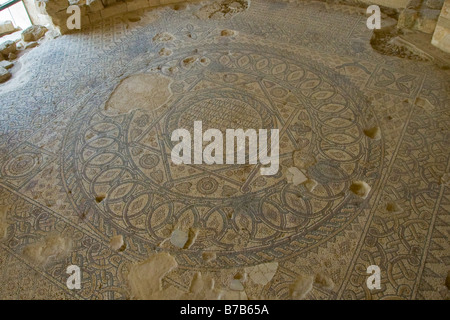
(441, 36)
(46, 12)
(92, 11)
(36, 16)
(421, 15)
(395, 4)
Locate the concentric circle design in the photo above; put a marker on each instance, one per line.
(207, 185)
(239, 212)
(21, 165)
(149, 161)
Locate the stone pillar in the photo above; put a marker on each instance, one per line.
(441, 36)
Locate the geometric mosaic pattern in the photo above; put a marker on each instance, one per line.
(307, 69)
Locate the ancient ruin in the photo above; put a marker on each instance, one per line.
(93, 205)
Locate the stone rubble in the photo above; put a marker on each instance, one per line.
(33, 33)
(4, 75)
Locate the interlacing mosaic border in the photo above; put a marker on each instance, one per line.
(60, 149)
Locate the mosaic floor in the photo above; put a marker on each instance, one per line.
(75, 172)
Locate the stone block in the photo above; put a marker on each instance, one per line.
(4, 75)
(426, 25)
(407, 19)
(137, 4)
(445, 12)
(441, 36)
(7, 47)
(33, 33)
(94, 17)
(52, 6)
(6, 27)
(154, 3)
(6, 64)
(94, 5)
(113, 10)
(434, 4)
(164, 2)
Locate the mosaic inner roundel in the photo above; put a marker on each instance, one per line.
(246, 218)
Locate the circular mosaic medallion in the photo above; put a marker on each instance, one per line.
(246, 218)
